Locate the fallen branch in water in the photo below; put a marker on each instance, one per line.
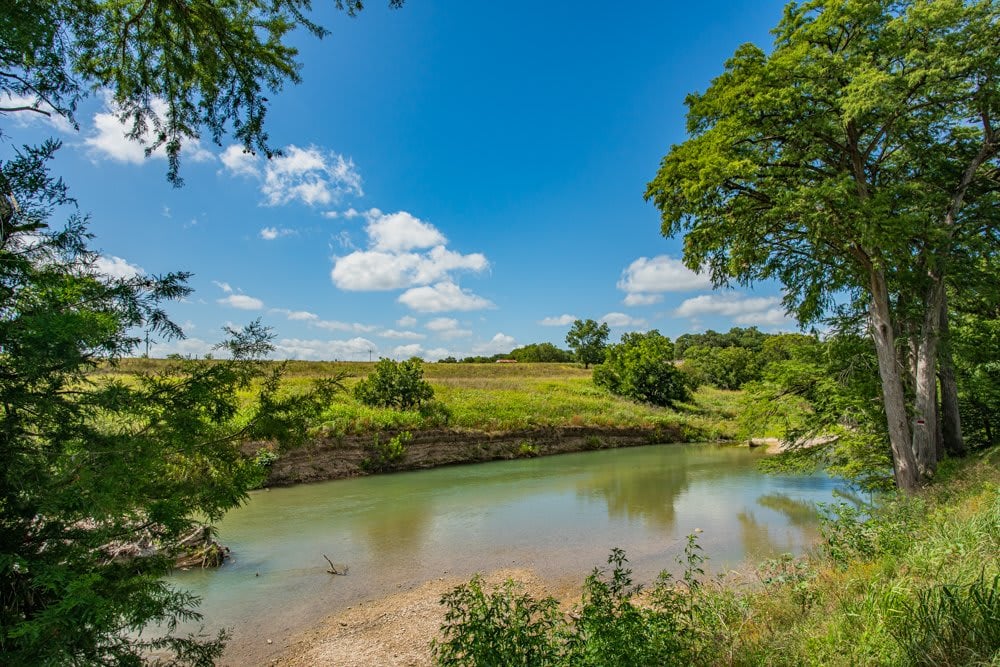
(334, 569)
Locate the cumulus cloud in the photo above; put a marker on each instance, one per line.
(224, 286)
(334, 325)
(110, 138)
(558, 321)
(272, 233)
(28, 109)
(407, 321)
(441, 324)
(357, 348)
(116, 267)
(311, 175)
(744, 310)
(407, 351)
(501, 343)
(442, 297)
(436, 353)
(398, 232)
(242, 301)
(238, 161)
(403, 252)
(647, 277)
(622, 320)
(296, 315)
(404, 335)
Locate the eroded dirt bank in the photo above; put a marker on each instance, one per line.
(343, 456)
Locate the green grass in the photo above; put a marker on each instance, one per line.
(500, 397)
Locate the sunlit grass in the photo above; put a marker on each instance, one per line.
(500, 397)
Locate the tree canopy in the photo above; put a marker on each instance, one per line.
(588, 339)
(91, 462)
(857, 159)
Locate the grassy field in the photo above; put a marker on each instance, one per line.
(499, 397)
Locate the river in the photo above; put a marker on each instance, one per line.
(557, 515)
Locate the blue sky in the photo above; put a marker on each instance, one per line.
(458, 178)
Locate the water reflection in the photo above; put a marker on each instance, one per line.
(558, 515)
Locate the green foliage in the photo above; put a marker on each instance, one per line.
(722, 367)
(395, 384)
(90, 461)
(641, 367)
(588, 340)
(953, 624)
(540, 353)
(387, 455)
(497, 629)
(212, 64)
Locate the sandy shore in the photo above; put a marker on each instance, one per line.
(396, 630)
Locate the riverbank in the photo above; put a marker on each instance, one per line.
(918, 583)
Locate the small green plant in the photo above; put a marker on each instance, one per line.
(527, 449)
(395, 384)
(261, 464)
(794, 573)
(387, 455)
(504, 627)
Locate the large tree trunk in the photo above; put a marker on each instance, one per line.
(904, 463)
(951, 421)
(925, 388)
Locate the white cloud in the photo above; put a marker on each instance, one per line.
(296, 315)
(242, 301)
(310, 175)
(110, 139)
(407, 351)
(764, 311)
(272, 233)
(224, 286)
(436, 353)
(334, 325)
(729, 305)
(116, 267)
(499, 344)
(646, 277)
(442, 324)
(31, 109)
(399, 232)
(442, 297)
(559, 321)
(392, 259)
(642, 299)
(330, 215)
(367, 270)
(240, 162)
(356, 349)
(407, 321)
(622, 320)
(403, 335)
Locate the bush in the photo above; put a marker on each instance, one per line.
(641, 367)
(395, 384)
(387, 455)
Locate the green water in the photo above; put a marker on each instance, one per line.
(558, 515)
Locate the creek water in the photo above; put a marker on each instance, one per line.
(558, 515)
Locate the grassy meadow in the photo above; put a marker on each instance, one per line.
(496, 398)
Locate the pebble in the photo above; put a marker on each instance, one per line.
(269, 641)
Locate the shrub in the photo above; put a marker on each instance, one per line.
(505, 627)
(641, 367)
(387, 455)
(395, 384)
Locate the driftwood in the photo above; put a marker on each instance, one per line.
(334, 569)
(199, 548)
